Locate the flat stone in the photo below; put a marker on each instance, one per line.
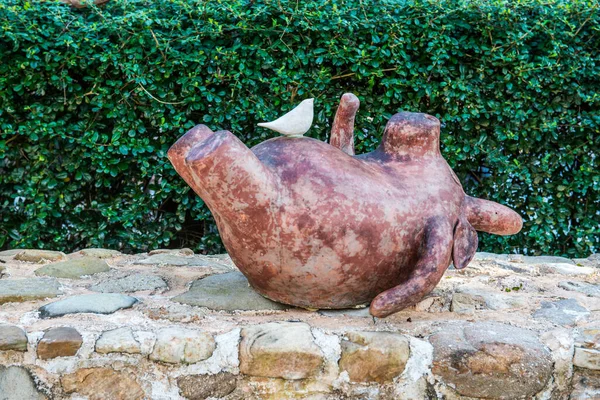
(105, 303)
(526, 269)
(131, 283)
(230, 291)
(374, 356)
(279, 350)
(566, 269)
(547, 260)
(40, 255)
(184, 252)
(200, 387)
(19, 290)
(348, 312)
(118, 340)
(479, 297)
(562, 312)
(59, 342)
(175, 260)
(491, 360)
(99, 253)
(582, 287)
(10, 253)
(103, 384)
(587, 358)
(74, 269)
(12, 338)
(484, 256)
(16, 384)
(180, 345)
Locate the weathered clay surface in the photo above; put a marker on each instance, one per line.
(310, 225)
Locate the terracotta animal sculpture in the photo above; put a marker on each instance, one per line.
(312, 225)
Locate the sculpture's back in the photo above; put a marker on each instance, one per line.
(313, 226)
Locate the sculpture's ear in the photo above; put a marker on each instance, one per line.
(465, 243)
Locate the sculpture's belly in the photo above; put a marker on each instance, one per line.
(336, 252)
(342, 232)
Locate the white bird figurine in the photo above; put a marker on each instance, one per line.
(296, 122)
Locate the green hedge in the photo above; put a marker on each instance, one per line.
(91, 99)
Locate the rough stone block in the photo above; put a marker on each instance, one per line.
(103, 384)
(119, 340)
(12, 338)
(491, 360)
(180, 345)
(279, 350)
(200, 387)
(59, 342)
(374, 356)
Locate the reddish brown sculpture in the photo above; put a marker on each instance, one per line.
(311, 225)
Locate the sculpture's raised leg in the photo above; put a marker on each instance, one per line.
(488, 216)
(342, 131)
(434, 259)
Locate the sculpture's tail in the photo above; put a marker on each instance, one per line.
(491, 217)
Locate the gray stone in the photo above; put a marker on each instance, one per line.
(175, 260)
(10, 253)
(565, 269)
(184, 252)
(562, 312)
(118, 340)
(228, 292)
(582, 287)
(348, 312)
(131, 283)
(59, 342)
(484, 256)
(16, 384)
(200, 387)
(12, 338)
(180, 345)
(520, 268)
(40, 255)
(74, 269)
(547, 260)
(589, 338)
(279, 350)
(19, 290)
(477, 297)
(105, 303)
(99, 253)
(491, 360)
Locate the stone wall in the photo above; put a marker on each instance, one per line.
(170, 325)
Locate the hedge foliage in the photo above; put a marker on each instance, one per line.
(91, 99)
